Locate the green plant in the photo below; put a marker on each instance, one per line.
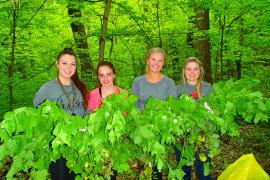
(119, 137)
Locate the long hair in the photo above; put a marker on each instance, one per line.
(153, 50)
(109, 65)
(200, 79)
(75, 78)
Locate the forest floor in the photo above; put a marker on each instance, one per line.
(252, 139)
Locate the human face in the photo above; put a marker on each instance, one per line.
(106, 76)
(192, 72)
(66, 67)
(155, 62)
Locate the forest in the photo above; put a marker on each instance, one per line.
(230, 37)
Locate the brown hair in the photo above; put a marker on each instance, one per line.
(109, 65)
(199, 81)
(75, 78)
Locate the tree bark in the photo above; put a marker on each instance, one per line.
(160, 43)
(190, 39)
(241, 39)
(202, 43)
(222, 27)
(12, 57)
(80, 39)
(104, 30)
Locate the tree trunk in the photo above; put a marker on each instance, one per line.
(12, 57)
(216, 68)
(80, 39)
(190, 33)
(160, 43)
(202, 43)
(104, 30)
(222, 27)
(190, 39)
(241, 39)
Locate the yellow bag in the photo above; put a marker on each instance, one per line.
(245, 168)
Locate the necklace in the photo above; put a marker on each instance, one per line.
(102, 94)
(71, 104)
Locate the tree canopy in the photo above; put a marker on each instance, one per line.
(230, 37)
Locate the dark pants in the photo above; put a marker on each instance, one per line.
(113, 177)
(198, 167)
(156, 175)
(59, 170)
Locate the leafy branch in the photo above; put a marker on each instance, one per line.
(119, 137)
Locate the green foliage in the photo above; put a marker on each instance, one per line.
(133, 27)
(119, 137)
(25, 136)
(233, 99)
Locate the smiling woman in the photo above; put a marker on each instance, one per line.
(193, 84)
(69, 92)
(154, 83)
(66, 66)
(67, 89)
(106, 85)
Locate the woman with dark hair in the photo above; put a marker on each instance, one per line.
(71, 93)
(106, 85)
(67, 89)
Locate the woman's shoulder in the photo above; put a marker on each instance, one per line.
(206, 88)
(49, 84)
(206, 84)
(119, 89)
(167, 79)
(181, 85)
(140, 78)
(184, 88)
(94, 91)
(46, 91)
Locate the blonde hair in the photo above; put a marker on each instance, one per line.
(153, 50)
(198, 84)
(156, 49)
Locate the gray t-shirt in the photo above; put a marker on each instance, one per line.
(160, 90)
(51, 90)
(186, 88)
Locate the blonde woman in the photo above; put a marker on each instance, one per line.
(154, 83)
(193, 85)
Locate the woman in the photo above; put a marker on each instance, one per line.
(71, 93)
(67, 89)
(193, 85)
(193, 73)
(106, 85)
(154, 83)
